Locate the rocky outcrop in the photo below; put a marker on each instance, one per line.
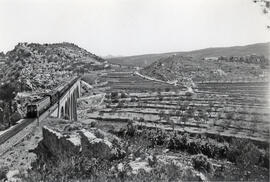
(70, 139)
(31, 66)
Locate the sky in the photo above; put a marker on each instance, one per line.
(132, 27)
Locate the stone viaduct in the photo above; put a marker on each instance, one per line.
(67, 105)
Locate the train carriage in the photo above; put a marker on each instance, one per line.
(54, 96)
(37, 108)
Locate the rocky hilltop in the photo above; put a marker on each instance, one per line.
(39, 66)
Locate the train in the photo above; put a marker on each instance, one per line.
(35, 109)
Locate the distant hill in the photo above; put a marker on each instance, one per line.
(147, 59)
(189, 69)
(43, 66)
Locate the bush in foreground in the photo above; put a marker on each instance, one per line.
(201, 163)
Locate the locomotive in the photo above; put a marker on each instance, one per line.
(35, 109)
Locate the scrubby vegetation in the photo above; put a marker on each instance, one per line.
(147, 146)
(221, 69)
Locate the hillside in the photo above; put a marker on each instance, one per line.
(183, 68)
(147, 59)
(40, 66)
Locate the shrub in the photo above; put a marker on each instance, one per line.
(201, 163)
(219, 116)
(69, 169)
(130, 129)
(264, 159)
(3, 172)
(15, 117)
(133, 99)
(193, 147)
(167, 89)
(114, 95)
(188, 94)
(190, 111)
(185, 119)
(93, 124)
(141, 120)
(160, 138)
(178, 143)
(245, 154)
(249, 156)
(230, 115)
(123, 95)
(152, 160)
(120, 104)
(227, 123)
(202, 115)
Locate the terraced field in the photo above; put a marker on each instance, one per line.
(225, 109)
(130, 82)
(226, 122)
(255, 89)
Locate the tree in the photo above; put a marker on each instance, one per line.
(190, 112)
(170, 121)
(253, 125)
(184, 107)
(160, 98)
(210, 108)
(184, 119)
(114, 95)
(265, 6)
(230, 115)
(130, 128)
(120, 103)
(167, 89)
(101, 113)
(141, 120)
(227, 123)
(161, 114)
(7, 93)
(202, 115)
(178, 114)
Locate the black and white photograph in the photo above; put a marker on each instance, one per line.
(134, 90)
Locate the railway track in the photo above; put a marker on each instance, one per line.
(23, 123)
(14, 130)
(7, 140)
